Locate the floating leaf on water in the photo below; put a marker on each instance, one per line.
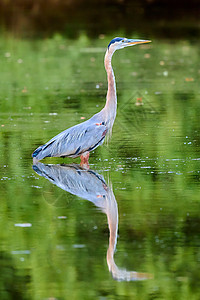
(24, 90)
(139, 101)
(189, 79)
(147, 55)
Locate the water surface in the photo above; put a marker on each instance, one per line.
(54, 241)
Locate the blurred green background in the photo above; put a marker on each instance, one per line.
(53, 244)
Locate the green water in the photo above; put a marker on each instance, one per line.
(54, 243)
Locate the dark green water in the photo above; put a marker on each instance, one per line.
(145, 181)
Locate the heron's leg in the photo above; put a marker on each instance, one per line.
(85, 160)
(35, 160)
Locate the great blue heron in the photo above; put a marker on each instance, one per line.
(90, 185)
(80, 139)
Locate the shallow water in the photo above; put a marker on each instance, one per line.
(144, 183)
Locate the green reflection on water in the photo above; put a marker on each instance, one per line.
(152, 162)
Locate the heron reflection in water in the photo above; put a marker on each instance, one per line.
(87, 184)
(81, 139)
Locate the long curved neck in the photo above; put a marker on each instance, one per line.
(111, 99)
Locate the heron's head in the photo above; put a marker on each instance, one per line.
(120, 43)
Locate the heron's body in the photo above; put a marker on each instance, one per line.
(80, 139)
(75, 141)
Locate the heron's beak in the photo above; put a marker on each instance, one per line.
(132, 42)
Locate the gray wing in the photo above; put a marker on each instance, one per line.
(73, 141)
(78, 181)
